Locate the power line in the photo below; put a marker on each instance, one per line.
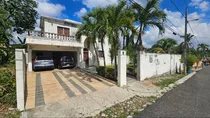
(174, 18)
(177, 8)
(168, 27)
(175, 26)
(194, 33)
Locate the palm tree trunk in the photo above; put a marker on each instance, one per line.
(139, 47)
(96, 51)
(139, 40)
(102, 46)
(115, 66)
(123, 42)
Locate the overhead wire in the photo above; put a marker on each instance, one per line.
(177, 8)
(168, 27)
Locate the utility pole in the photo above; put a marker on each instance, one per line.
(185, 42)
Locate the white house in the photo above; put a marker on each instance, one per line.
(57, 38)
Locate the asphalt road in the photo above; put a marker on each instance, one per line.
(191, 99)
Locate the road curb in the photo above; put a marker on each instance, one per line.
(175, 84)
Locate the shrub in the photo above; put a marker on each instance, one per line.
(7, 87)
(191, 59)
(107, 72)
(101, 70)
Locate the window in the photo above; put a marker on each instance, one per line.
(100, 53)
(62, 31)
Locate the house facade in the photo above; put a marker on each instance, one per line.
(57, 38)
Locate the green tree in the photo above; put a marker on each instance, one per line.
(21, 15)
(189, 38)
(117, 19)
(148, 16)
(165, 44)
(100, 16)
(203, 49)
(89, 30)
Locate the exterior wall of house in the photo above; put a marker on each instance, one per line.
(152, 64)
(51, 26)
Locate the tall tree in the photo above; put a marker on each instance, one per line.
(100, 16)
(117, 19)
(203, 49)
(188, 39)
(148, 16)
(21, 14)
(88, 29)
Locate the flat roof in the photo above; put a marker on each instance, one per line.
(62, 20)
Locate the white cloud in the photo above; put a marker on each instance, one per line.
(80, 13)
(103, 3)
(46, 8)
(98, 3)
(200, 29)
(201, 4)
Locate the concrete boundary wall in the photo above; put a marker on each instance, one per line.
(20, 66)
(153, 64)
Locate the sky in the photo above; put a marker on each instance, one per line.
(74, 9)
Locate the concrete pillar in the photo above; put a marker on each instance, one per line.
(30, 60)
(122, 78)
(20, 78)
(139, 67)
(80, 58)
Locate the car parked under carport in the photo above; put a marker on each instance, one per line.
(55, 55)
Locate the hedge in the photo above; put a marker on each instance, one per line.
(107, 72)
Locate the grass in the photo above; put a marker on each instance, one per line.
(166, 82)
(13, 114)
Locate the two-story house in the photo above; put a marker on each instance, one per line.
(57, 38)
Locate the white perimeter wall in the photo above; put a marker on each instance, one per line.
(152, 64)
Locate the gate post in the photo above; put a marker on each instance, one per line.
(20, 65)
(122, 78)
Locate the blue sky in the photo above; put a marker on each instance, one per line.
(74, 9)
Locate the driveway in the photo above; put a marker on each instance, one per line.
(52, 86)
(191, 99)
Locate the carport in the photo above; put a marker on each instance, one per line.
(55, 55)
(54, 52)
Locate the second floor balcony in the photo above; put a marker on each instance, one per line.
(45, 38)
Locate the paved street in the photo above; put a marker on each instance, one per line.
(191, 99)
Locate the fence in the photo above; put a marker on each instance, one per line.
(152, 64)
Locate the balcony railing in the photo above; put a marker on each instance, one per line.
(52, 36)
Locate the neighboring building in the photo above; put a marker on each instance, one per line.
(57, 38)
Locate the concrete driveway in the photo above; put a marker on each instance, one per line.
(52, 86)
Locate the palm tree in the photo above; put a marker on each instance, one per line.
(157, 50)
(165, 44)
(118, 18)
(203, 48)
(189, 38)
(148, 16)
(89, 30)
(100, 17)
